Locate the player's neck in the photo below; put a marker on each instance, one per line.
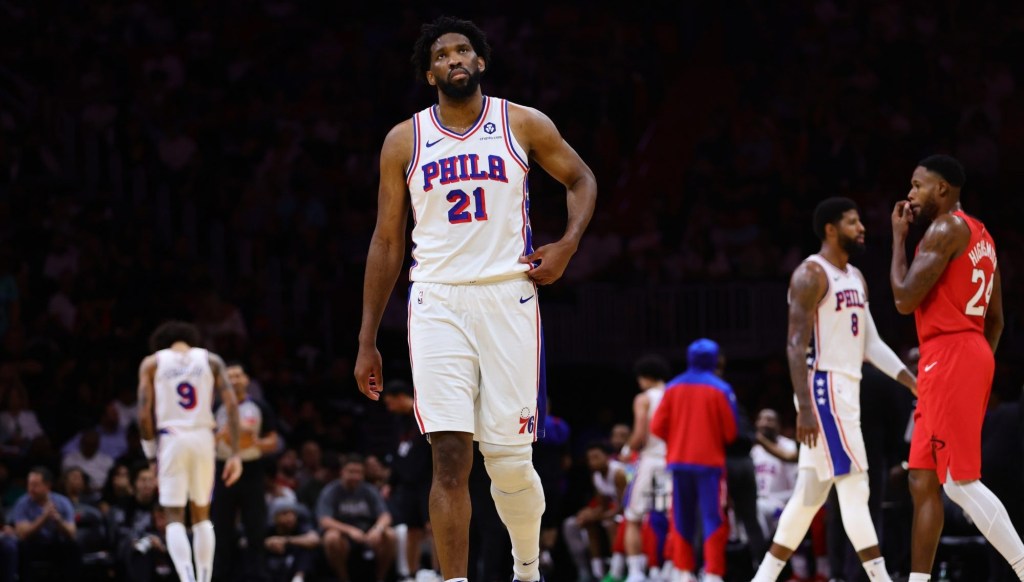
(180, 347)
(459, 114)
(835, 255)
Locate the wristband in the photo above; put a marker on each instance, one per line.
(149, 449)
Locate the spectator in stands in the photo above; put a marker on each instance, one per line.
(91, 527)
(411, 474)
(128, 521)
(325, 468)
(89, 458)
(45, 524)
(590, 532)
(18, 424)
(291, 543)
(355, 521)
(775, 459)
(118, 488)
(113, 439)
(144, 555)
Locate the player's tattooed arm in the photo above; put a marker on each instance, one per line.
(994, 314)
(227, 396)
(946, 238)
(147, 371)
(806, 289)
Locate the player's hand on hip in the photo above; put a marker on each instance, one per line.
(368, 372)
(232, 470)
(553, 258)
(902, 218)
(807, 428)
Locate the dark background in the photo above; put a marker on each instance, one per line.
(217, 162)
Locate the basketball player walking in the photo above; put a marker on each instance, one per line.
(953, 289)
(474, 324)
(176, 385)
(831, 334)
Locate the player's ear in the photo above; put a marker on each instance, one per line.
(481, 63)
(430, 79)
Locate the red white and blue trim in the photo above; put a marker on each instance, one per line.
(837, 448)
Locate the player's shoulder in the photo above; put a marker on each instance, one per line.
(809, 275)
(399, 140)
(527, 119)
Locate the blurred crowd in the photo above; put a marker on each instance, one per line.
(216, 162)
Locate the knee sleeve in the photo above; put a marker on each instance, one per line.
(853, 492)
(808, 496)
(510, 467)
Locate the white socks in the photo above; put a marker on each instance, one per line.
(636, 564)
(457, 580)
(180, 551)
(203, 542)
(919, 577)
(618, 565)
(876, 570)
(770, 569)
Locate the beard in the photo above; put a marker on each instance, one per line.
(460, 91)
(852, 247)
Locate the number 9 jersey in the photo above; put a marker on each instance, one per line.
(183, 390)
(470, 199)
(959, 299)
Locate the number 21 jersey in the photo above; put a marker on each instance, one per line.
(959, 299)
(184, 389)
(470, 199)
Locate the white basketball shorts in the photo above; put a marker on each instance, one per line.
(840, 448)
(185, 466)
(651, 488)
(478, 360)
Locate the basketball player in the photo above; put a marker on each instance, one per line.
(831, 334)
(652, 478)
(176, 385)
(953, 288)
(474, 325)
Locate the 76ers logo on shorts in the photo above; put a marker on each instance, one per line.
(527, 421)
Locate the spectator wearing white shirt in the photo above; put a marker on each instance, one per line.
(90, 459)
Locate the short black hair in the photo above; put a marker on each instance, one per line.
(172, 331)
(948, 167)
(652, 366)
(44, 473)
(442, 25)
(830, 211)
(604, 446)
(352, 458)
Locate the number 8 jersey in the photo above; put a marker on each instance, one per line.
(959, 299)
(183, 390)
(470, 199)
(837, 344)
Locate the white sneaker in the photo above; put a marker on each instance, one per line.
(428, 576)
(711, 578)
(637, 577)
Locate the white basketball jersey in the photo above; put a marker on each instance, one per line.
(837, 344)
(184, 389)
(604, 483)
(655, 447)
(776, 478)
(470, 199)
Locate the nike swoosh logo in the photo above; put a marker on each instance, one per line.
(929, 367)
(431, 144)
(521, 300)
(530, 562)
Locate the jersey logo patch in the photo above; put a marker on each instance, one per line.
(489, 128)
(521, 300)
(431, 144)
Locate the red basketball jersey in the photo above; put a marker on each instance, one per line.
(959, 300)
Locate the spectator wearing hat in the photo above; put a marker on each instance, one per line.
(411, 473)
(290, 543)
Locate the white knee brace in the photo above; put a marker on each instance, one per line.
(510, 466)
(853, 492)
